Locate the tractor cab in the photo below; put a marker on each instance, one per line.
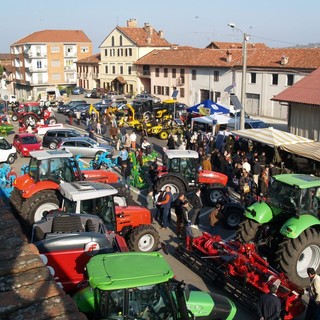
(184, 165)
(52, 165)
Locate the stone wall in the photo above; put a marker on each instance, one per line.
(27, 289)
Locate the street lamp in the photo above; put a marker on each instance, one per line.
(244, 74)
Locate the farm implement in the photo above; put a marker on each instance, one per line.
(241, 271)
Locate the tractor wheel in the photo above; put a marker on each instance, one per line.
(53, 145)
(147, 116)
(296, 255)
(52, 120)
(231, 218)
(11, 158)
(213, 195)
(176, 185)
(16, 199)
(14, 117)
(30, 120)
(33, 209)
(163, 135)
(144, 238)
(247, 231)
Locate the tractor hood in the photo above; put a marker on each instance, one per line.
(103, 176)
(133, 216)
(260, 212)
(212, 177)
(210, 306)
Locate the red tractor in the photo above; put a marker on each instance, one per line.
(37, 191)
(30, 113)
(180, 172)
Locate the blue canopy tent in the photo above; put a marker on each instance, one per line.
(208, 107)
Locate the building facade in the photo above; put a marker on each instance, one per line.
(119, 51)
(46, 59)
(88, 72)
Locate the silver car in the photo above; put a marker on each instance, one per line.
(85, 147)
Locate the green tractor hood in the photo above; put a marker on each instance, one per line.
(260, 212)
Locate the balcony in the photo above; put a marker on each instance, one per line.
(70, 54)
(38, 55)
(144, 74)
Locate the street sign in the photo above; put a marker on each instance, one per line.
(175, 94)
(236, 102)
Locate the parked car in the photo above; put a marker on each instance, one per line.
(85, 147)
(69, 104)
(8, 152)
(53, 137)
(78, 90)
(147, 97)
(114, 95)
(80, 107)
(98, 93)
(26, 142)
(87, 94)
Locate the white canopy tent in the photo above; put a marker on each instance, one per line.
(213, 120)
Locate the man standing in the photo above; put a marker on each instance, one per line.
(166, 206)
(313, 310)
(196, 202)
(269, 305)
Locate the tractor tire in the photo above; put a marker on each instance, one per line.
(16, 199)
(213, 195)
(33, 208)
(53, 145)
(163, 135)
(296, 255)
(176, 185)
(144, 238)
(231, 218)
(14, 117)
(52, 120)
(30, 120)
(11, 158)
(247, 231)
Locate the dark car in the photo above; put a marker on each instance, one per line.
(98, 93)
(70, 104)
(53, 137)
(81, 108)
(85, 147)
(78, 90)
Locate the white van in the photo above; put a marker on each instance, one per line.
(8, 153)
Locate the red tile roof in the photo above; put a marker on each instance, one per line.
(45, 36)
(235, 45)
(305, 91)
(307, 58)
(96, 58)
(140, 37)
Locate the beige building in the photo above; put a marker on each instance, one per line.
(46, 59)
(120, 49)
(88, 72)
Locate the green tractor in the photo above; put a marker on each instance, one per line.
(138, 286)
(286, 227)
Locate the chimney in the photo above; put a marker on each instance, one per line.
(148, 29)
(229, 56)
(148, 40)
(284, 60)
(161, 34)
(132, 23)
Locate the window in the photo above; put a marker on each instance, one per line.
(121, 69)
(130, 52)
(120, 41)
(84, 49)
(106, 69)
(105, 52)
(181, 76)
(129, 69)
(253, 77)
(112, 41)
(216, 76)
(290, 79)
(114, 69)
(146, 70)
(55, 49)
(165, 72)
(118, 52)
(157, 72)
(39, 64)
(182, 92)
(275, 78)
(174, 73)
(194, 75)
(166, 91)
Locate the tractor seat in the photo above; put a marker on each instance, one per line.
(67, 224)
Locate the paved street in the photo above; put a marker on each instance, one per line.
(167, 236)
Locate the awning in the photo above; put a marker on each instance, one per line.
(120, 80)
(309, 150)
(271, 137)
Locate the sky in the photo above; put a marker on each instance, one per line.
(278, 23)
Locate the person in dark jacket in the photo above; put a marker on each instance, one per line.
(269, 305)
(179, 207)
(171, 142)
(197, 205)
(166, 205)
